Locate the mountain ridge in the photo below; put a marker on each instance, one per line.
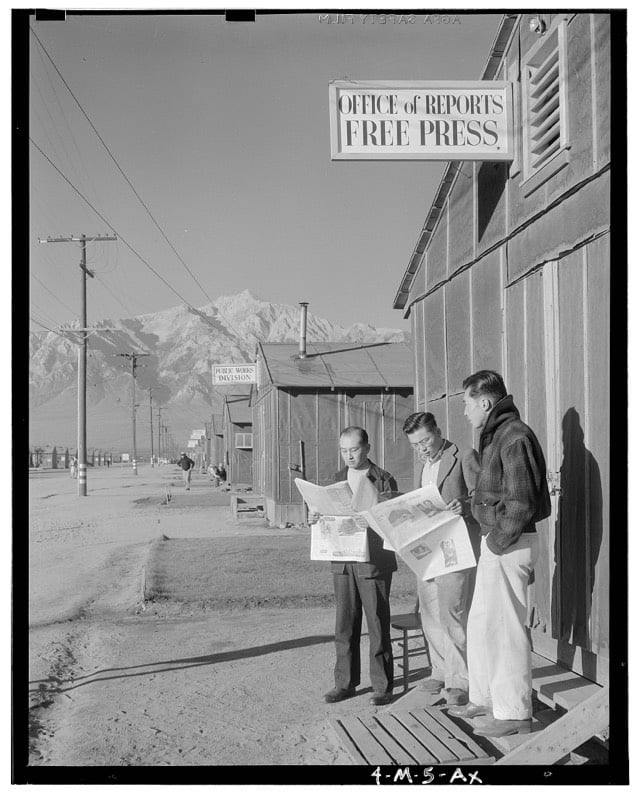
(180, 345)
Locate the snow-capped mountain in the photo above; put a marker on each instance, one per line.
(182, 345)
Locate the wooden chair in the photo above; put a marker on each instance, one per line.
(410, 624)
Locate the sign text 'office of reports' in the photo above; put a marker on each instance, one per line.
(404, 120)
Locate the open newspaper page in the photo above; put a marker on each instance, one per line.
(337, 535)
(328, 500)
(429, 538)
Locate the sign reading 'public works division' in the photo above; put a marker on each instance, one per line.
(234, 373)
(418, 120)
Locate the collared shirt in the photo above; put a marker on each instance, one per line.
(430, 472)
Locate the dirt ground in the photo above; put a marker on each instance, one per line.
(117, 681)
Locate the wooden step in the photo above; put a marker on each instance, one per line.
(422, 736)
(556, 686)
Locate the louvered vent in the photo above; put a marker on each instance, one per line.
(545, 105)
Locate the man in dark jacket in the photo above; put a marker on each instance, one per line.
(186, 464)
(511, 495)
(363, 585)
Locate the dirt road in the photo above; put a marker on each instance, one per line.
(117, 681)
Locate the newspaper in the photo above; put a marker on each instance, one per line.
(337, 535)
(429, 538)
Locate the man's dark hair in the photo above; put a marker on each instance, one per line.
(364, 437)
(418, 420)
(485, 381)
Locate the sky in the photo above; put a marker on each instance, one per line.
(223, 130)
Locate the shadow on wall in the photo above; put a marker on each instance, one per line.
(492, 180)
(577, 542)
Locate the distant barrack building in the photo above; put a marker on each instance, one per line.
(511, 271)
(300, 405)
(238, 439)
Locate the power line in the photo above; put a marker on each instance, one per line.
(114, 296)
(131, 248)
(43, 313)
(117, 164)
(113, 229)
(46, 328)
(77, 101)
(62, 303)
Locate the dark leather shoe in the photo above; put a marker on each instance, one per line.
(503, 727)
(381, 698)
(337, 695)
(457, 697)
(469, 711)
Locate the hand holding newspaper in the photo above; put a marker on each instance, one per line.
(430, 539)
(339, 535)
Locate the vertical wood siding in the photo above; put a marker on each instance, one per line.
(552, 342)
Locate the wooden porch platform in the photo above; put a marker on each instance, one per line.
(247, 505)
(423, 736)
(416, 729)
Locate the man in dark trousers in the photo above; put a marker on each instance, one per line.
(444, 600)
(511, 495)
(186, 464)
(363, 585)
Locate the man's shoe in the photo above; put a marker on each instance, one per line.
(380, 698)
(337, 695)
(457, 697)
(469, 711)
(432, 685)
(503, 727)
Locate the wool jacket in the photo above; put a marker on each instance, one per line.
(381, 561)
(511, 489)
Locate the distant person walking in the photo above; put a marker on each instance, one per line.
(186, 464)
(73, 468)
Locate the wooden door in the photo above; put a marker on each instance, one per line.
(557, 368)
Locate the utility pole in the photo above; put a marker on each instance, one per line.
(151, 424)
(82, 352)
(159, 433)
(133, 357)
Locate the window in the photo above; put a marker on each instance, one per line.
(545, 100)
(244, 440)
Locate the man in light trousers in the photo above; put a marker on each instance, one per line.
(444, 600)
(511, 495)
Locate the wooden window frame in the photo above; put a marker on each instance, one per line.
(244, 444)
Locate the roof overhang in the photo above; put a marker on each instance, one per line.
(494, 60)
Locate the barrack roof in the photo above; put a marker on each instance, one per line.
(340, 365)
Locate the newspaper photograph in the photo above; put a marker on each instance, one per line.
(338, 534)
(429, 538)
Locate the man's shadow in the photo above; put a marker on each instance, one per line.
(578, 539)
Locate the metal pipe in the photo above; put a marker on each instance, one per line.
(303, 329)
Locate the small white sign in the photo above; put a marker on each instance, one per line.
(234, 373)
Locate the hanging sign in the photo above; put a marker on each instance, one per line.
(420, 120)
(234, 373)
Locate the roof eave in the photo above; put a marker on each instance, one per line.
(494, 60)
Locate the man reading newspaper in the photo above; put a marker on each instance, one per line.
(444, 599)
(363, 585)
